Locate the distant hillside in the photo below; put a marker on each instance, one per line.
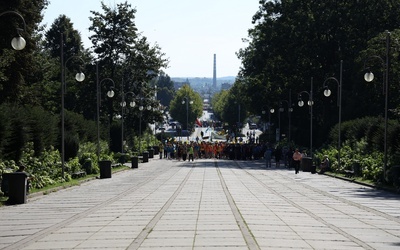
(204, 80)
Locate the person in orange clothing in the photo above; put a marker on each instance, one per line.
(208, 150)
(213, 150)
(219, 151)
(296, 160)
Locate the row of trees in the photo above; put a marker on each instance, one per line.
(30, 79)
(294, 41)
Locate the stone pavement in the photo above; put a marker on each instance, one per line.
(206, 204)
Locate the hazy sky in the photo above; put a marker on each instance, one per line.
(189, 32)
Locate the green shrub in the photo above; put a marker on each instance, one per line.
(352, 153)
(372, 166)
(88, 152)
(73, 166)
(23, 124)
(43, 130)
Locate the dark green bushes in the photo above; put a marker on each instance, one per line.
(363, 144)
(32, 136)
(20, 125)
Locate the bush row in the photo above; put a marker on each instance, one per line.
(362, 147)
(20, 125)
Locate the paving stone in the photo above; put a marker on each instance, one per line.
(176, 205)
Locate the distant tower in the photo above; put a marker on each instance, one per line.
(215, 73)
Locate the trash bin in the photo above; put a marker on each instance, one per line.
(135, 161)
(105, 169)
(306, 164)
(151, 152)
(17, 187)
(122, 158)
(145, 156)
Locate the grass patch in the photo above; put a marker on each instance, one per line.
(60, 185)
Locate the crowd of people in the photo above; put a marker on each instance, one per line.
(192, 150)
(237, 149)
(288, 157)
(225, 150)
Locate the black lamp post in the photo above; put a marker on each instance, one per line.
(369, 77)
(79, 77)
(18, 42)
(310, 103)
(132, 104)
(141, 108)
(187, 101)
(110, 94)
(123, 105)
(290, 110)
(270, 111)
(327, 92)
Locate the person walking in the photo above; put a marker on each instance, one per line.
(166, 150)
(191, 152)
(296, 160)
(278, 156)
(268, 157)
(161, 146)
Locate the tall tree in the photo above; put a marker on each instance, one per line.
(186, 98)
(293, 41)
(165, 89)
(18, 69)
(114, 35)
(124, 55)
(62, 34)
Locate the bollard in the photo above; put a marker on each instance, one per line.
(135, 161)
(151, 152)
(145, 156)
(105, 169)
(306, 164)
(122, 158)
(17, 185)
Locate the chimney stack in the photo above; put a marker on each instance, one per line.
(215, 72)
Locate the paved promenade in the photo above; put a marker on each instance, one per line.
(206, 204)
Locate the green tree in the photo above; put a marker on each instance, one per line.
(234, 107)
(186, 97)
(218, 101)
(122, 52)
(293, 41)
(125, 56)
(165, 89)
(62, 33)
(19, 69)
(373, 58)
(114, 36)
